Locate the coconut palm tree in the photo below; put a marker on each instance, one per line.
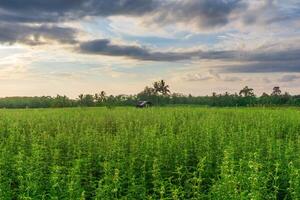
(161, 87)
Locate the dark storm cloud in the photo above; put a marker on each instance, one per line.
(56, 10)
(34, 35)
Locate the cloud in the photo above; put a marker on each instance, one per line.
(271, 11)
(215, 14)
(264, 67)
(34, 35)
(197, 77)
(255, 61)
(205, 14)
(105, 47)
(211, 75)
(289, 78)
(32, 23)
(59, 10)
(28, 22)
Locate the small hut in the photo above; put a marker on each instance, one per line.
(143, 104)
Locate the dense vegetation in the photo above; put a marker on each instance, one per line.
(156, 153)
(158, 94)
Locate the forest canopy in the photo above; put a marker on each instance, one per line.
(160, 95)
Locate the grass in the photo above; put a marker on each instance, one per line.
(157, 153)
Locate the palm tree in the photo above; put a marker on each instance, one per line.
(96, 97)
(102, 96)
(247, 92)
(161, 87)
(156, 86)
(164, 88)
(81, 96)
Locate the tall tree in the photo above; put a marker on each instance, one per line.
(100, 97)
(276, 91)
(247, 92)
(81, 96)
(161, 87)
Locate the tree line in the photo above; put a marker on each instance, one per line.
(159, 94)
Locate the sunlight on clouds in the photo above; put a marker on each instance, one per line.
(188, 43)
(126, 25)
(14, 65)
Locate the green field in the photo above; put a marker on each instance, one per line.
(157, 153)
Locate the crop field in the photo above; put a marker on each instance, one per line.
(156, 153)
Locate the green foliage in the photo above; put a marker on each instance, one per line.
(158, 153)
(158, 95)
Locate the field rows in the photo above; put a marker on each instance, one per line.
(157, 153)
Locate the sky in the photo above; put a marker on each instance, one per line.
(198, 47)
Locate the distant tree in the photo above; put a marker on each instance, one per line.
(265, 95)
(80, 97)
(265, 99)
(156, 86)
(148, 91)
(88, 100)
(247, 92)
(61, 101)
(159, 94)
(111, 100)
(96, 97)
(161, 87)
(100, 98)
(276, 91)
